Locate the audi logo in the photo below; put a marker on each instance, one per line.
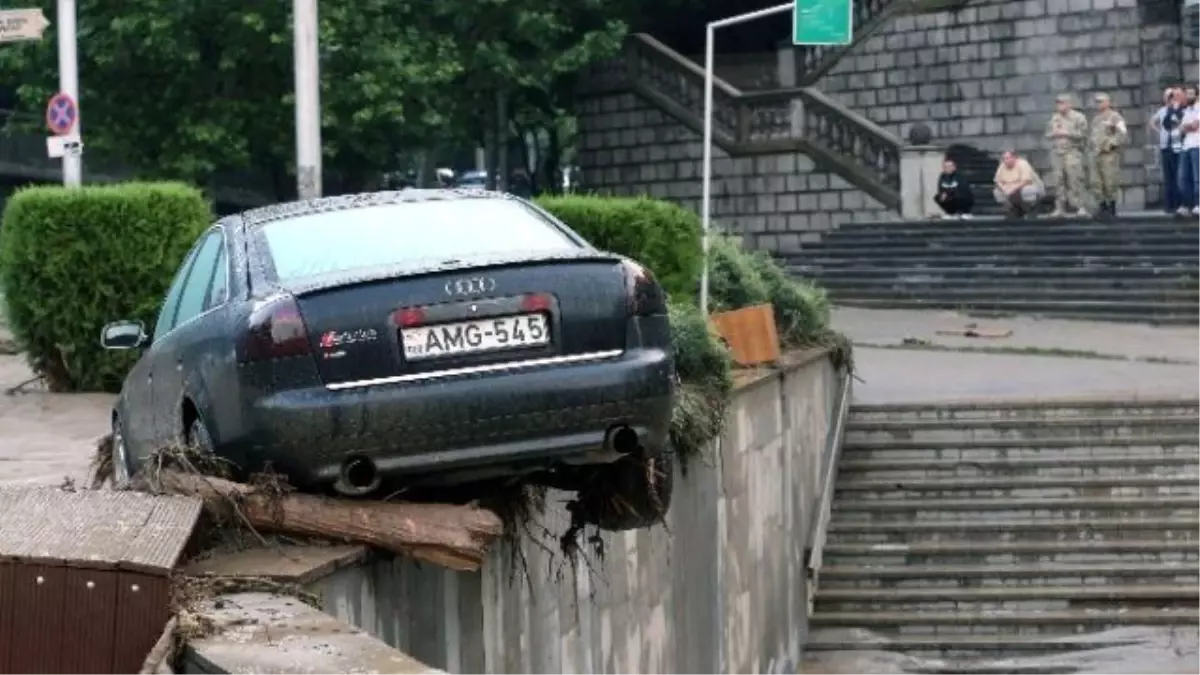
(470, 286)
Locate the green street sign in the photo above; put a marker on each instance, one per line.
(822, 22)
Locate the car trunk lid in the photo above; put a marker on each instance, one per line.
(463, 316)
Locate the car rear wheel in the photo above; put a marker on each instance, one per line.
(122, 463)
(631, 493)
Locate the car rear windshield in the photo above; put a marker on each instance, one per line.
(407, 234)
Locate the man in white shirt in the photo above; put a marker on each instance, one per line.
(1189, 160)
(1167, 158)
(1017, 187)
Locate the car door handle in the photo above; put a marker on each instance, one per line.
(179, 367)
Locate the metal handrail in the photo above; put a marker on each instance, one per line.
(818, 532)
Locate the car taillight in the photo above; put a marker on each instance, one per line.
(276, 331)
(409, 317)
(536, 302)
(645, 297)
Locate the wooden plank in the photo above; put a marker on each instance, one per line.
(750, 333)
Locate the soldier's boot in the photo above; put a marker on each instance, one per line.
(1112, 209)
(1059, 211)
(1082, 213)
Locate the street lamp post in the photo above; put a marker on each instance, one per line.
(308, 98)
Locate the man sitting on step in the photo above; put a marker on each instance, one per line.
(1018, 187)
(953, 192)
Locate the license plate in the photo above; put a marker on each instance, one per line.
(472, 337)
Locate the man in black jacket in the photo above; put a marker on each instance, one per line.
(953, 192)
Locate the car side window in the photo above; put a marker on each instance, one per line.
(166, 316)
(195, 287)
(218, 288)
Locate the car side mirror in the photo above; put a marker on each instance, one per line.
(124, 335)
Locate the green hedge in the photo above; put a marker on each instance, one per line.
(706, 381)
(72, 260)
(662, 236)
(740, 278)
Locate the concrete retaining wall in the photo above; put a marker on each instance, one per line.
(720, 589)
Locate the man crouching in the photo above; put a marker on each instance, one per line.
(1018, 187)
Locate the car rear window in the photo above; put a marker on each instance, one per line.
(410, 233)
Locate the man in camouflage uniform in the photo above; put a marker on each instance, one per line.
(1109, 133)
(1068, 134)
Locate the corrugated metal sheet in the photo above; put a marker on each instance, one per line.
(88, 625)
(143, 607)
(126, 530)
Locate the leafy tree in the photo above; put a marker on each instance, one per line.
(188, 89)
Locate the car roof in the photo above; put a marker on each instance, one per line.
(266, 214)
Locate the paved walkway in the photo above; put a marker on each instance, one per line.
(45, 437)
(1106, 359)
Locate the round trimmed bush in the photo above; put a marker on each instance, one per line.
(71, 260)
(662, 236)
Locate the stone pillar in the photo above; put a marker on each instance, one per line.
(920, 166)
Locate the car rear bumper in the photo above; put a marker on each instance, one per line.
(458, 422)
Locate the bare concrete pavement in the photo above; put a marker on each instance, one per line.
(1040, 359)
(46, 437)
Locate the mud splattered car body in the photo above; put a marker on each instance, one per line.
(415, 336)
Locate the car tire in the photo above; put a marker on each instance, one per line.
(198, 436)
(122, 464)
(631, 493)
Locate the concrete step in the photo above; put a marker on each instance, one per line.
(1010, 552)
(1014, 530)
(1098, 263)
(997, 227)
(1070, 283)
(1012, 598)
(1063, 622)
(1185, 445)
(976, 293)
(901, 471)
(985, 240)
(1018, 575)
(1002, 429)
(848, 509)
(1185, 274)
(1010, 486)
(839, 639)
(1115, 310)
(948, 249)
(1033, 409)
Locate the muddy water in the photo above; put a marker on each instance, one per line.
(1155, 649)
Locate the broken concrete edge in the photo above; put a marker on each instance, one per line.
(297, 564)
(268, 633)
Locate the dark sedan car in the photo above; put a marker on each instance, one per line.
(409, 338)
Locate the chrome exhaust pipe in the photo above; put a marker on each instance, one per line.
(358, 477)
(623, 440)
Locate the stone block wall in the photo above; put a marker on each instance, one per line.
(987, 75)
(776, 202)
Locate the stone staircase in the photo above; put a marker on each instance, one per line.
(1138, 268)
(798, 119)
(966, 534)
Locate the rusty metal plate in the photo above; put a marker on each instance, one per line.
(96, 528)
(143, 607)
(89, 629)
(39, 592)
